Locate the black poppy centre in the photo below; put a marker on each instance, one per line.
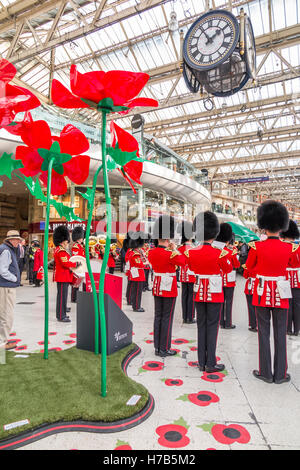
(231, 433)
(173, 436)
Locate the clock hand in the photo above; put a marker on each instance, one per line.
(210, 40)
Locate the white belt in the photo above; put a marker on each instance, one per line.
(293, 269)
(164, 274)
(208, 276)
(268, 278)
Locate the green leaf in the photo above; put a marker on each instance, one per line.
(181, 422)
(225, 372)
(207, 427)
(1, 184)
(121, 158)
(111, 164)
(183, 398)
(142, 370)
(121, 443)
(92, 104)
(89, 196)
(8, 165)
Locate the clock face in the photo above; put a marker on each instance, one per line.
(211, 39)
(250, 51)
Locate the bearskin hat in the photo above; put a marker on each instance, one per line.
(35, 243)
(185, 231)
(225, 234)
(164, 228)
(272, 216)
(61, 234)
(292, 232)
(77, 233)
(137, 239)
(206, 226)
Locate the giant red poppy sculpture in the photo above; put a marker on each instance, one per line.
(106, 92)
(52, 159)
(13, 99)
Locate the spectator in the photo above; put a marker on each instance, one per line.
(9, 280)
(21, 257)
(37, 265)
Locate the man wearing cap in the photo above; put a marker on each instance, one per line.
(9, 280)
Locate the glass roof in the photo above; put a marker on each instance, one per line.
(127, 36)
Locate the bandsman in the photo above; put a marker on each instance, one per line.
(187, 277)
(270, 259)
(163, 260)
(208, 264)
(77, 250)
(137, 270)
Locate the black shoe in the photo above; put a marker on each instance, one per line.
(156, 352)
(68, 309)
(217, 368)
(21, 285)
(296, 333)
(289, 333)
(261, 377)
(282, 381)
(254, 330)
(189, 322)
(222, 326)
(201, 368)
(231, 327)
(169, 352)
(139, 310)
(65, 320)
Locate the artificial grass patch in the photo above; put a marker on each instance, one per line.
(66, 387)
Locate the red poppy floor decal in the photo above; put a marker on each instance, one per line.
(151, 366)
(21, 348)
(174, 435)
(121, 445)
(193, 364)
(172, 382)
(149, 341)
(179, 341)
(201, 398)
(227, 434)
(215, 377)
(69, 341)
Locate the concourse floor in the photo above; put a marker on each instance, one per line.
(229, 411)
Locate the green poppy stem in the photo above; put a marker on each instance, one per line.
(106, 255)
(46, 243)
(87, 256)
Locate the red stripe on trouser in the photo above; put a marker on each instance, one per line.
(170, 323)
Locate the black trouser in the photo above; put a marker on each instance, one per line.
(128, 292)
(37, 282)
(163, 321)
(30, 270)
(187, 301)
(136, 294)
(74, 294)
(21, 264)
(208, 319)
(279, 317)
(226, 314)
(146, 283)
(111, 270)
(61, 300)
(294, 312)
(251, 311)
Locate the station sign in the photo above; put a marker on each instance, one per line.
(258, 179)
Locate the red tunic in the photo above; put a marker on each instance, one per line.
(38, 260)
(229, 279)
(250, 276)
(293, 273)
(270, 258)
(164, 262)
(127, 264)
(208, 263)
(111, 263)
(62, 266)
(186, 275)
(137, 267)
(78, 250)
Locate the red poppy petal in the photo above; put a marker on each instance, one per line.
(7, 114)
(139, 102)
(31, 160)
(7, 71)
(37, 135)
(87, 85)
(134, 170)
(128, 181)
(123, 86)
(18, 128)
(72, 141)
(58, 183)
(126, 141)
(77, 169)
(23, 99)
(62, 97)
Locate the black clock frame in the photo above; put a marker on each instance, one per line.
(201, 68)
